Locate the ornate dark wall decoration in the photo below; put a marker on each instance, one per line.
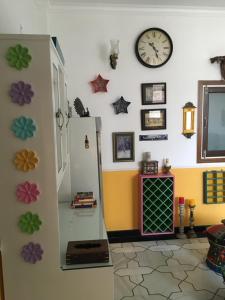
(120, 106)
(221, 61)
(78, 105)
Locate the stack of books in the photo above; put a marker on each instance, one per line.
(84, 200)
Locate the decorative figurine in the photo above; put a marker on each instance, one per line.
(120, 106)
(166, 166)
(191, 232)
(181, 234)
(78, 105)
(99, 84)
(149, 167)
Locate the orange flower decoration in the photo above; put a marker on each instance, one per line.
(26, 160)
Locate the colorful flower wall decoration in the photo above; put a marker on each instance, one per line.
(21, 93)
(23, 127)
(29, 222)
(18, 57)
(99, 84)
(26, 160)
(27, 192)
(32, 253)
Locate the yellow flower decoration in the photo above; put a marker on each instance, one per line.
(26, 160)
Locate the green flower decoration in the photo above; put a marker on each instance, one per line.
(23, 127)
(18, 57)
(29, 222)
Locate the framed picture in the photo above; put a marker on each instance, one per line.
(123, 146)
(153, 93)
(153, 119)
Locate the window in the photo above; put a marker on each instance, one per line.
(211, 121)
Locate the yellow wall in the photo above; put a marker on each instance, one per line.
(121, 198)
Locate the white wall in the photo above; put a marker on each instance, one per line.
(84, 37)
(23, 16)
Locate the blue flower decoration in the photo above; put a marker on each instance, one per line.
(23, 127)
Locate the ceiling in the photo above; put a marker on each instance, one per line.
(213, 4)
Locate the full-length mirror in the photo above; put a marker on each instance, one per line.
(211, 121)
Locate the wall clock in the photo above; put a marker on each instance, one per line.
(153, 47)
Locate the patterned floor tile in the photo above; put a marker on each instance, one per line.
(115, 245)
(160, 283)
(167, 253)
(145, 244)
(119, 260)
(188, 293)
(218, 298)
(175, 268)
(164, 248)
(196, 246)
(188, 257)
(140, 291)
(178, 242)
(161, 243)
(128, 249)
(123, 287)
(203, 266)
(168, 269)
(205, 279)
(221, 293)
(194, 240)
(149, 297)
(203, 240)
(134, 271)
(151, 259)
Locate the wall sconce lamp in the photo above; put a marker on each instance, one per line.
(188, 119)
(114, 53)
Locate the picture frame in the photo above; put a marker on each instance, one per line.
(123, 146)
(153, 93)
(153, 119)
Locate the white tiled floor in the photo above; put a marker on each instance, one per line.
(159, 270)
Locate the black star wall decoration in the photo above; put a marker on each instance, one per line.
(120, 106)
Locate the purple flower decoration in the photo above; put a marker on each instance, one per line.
(21, 93)
(31, 253)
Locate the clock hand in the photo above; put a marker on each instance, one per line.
(154, 48)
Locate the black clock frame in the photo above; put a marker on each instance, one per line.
(139, 57)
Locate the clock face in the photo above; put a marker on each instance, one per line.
(153, 47)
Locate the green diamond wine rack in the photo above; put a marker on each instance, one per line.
(157, 204)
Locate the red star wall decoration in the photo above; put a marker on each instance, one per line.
(99, 84)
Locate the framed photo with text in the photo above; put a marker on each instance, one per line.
(153, 93)
(123, 146)
(153, 119)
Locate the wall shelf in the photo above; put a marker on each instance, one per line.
(213, 187)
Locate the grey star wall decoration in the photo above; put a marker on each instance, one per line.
(120, 106)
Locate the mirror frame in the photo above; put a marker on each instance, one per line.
(204, 156)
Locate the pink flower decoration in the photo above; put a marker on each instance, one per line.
(27, 192)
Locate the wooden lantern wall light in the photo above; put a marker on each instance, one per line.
(188, 120)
